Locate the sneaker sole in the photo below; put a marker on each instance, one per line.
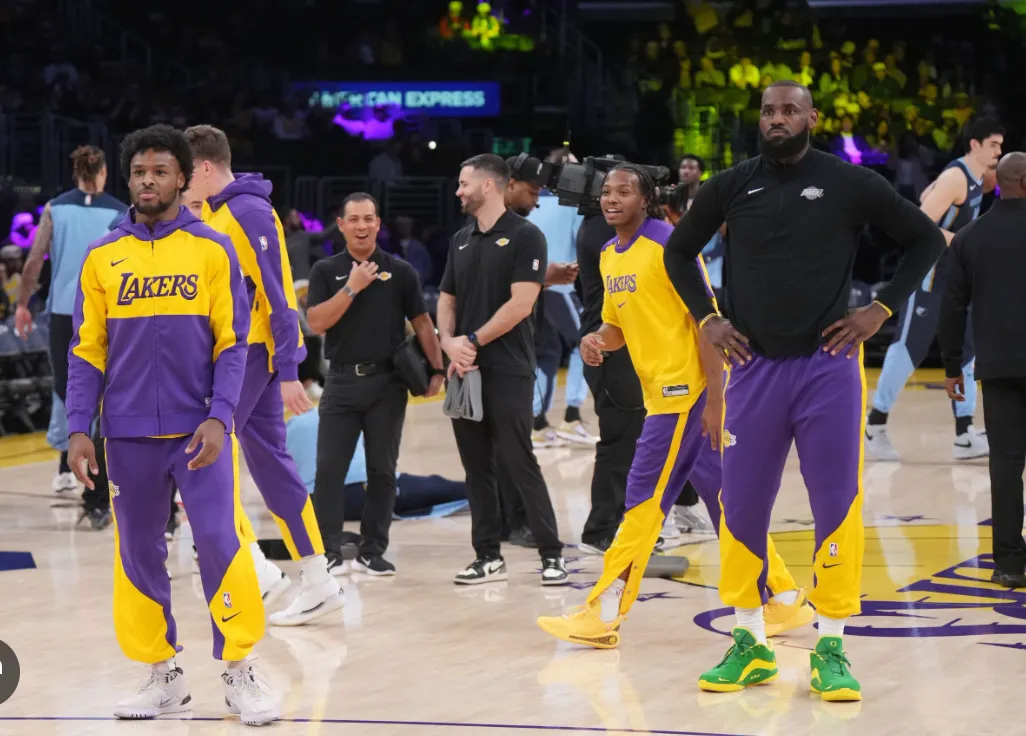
(145, 715)
(733, 687)
(359, 567)
(255, 719)
(802, 617)
(974, 456)
(552, 583)
(277, 590)
(499, 576)
(844, 695)
(573, 440)
(326, 607)
(609, 640)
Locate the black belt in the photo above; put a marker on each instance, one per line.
(363, 369)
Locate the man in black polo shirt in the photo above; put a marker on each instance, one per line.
(362, 298)
(495, 271)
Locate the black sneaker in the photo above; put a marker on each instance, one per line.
(337, 564)
(373, 565)
(554, 571)
(482, 571)
(99, 519)
(597, 547)
(523, 537)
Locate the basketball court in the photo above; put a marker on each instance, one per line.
(938, 649)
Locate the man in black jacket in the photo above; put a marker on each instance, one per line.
(986, 263)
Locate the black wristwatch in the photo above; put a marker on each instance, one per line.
(473, 340)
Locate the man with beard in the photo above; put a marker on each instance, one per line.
(953, 201)
(160, 325)
(495, 270)
(793, 216)
(690, 173)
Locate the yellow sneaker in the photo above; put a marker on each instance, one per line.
(780, 617)
(583, 625)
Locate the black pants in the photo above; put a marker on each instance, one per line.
(503, 438)
(1004, 410)
(619, 405)
(61, 332)
(376, 406)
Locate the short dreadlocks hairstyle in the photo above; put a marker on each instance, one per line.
(647, 186)
(87, 162)
(161, 138)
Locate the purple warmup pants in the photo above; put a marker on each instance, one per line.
(260, 426)
(818, 402)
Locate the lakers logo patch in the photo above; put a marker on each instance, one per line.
(384, 276)
(729, 440)
(114, 490)
(502, 241)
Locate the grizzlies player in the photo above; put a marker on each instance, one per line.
(953, 201)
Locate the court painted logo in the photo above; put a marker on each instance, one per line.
(934, 592)
(10, 672)
(811, 193)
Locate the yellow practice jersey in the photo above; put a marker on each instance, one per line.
(661, 335)
(243, 212)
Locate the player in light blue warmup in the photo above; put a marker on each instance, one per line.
(953, 201)
(559, 326)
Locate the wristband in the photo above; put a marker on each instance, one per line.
(348, 291)
(706, 318)
(472, 337)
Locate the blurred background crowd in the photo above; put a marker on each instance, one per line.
(389, 96)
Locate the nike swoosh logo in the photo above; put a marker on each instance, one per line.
(114, 263)
(165, 703)
(621, 304)
(225, 619)
(464, 246)
(341, 278)
(836, 564)
(753, 191)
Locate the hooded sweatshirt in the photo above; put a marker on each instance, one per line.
(243, 212)
(160, 327)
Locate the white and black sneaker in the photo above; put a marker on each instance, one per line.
(248, 695)
(971, 444)
(482, 571)
(554, 571)
(373, 565)
(337, 564)
(165, 691)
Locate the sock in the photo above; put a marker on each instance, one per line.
(751, 619)
(315, 568)
(572, 414)
(258, 557)
(962, 424)
(877, 417)
(237, 664)
(540, 423)
(609, 599)
(64, 467)
(788, 597)
(165, 666)
(831, 626)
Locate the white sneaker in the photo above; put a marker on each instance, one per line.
(878, 444)
(64, 483)
(542, 438)
(249, 696)
(273, 582)
(971, 445)
(165, 691)
(693, 519)
(576, 433)
(670, 530)
(314, 601)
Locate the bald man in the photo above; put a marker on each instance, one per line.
(986, 266)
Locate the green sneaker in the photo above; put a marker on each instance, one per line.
(830, 675)
(746, 663)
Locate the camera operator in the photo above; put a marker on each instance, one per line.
(360, 299)
(495, 270)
